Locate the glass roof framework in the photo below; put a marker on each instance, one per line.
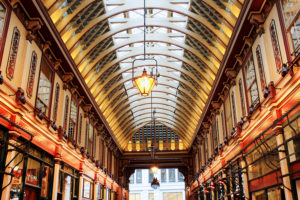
(188, 38)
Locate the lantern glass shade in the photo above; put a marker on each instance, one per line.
(144, 83)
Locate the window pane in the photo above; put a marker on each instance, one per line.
(16, 184)
(251, 81)
(44, 88)
(86, 189)
(171, 175)
(274, 194)
(33, 172)
(151, 175)
(2, 19)
(163, 175)
(67, 183)
(293, 145)
(131, 179)
(180, 177)
(138, 176)
(259, 195)
(73, 119)
(45, 181)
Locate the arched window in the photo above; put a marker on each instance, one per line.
(251, 82)
(223, 124)
(11, 64)
(55, 105)
(66, 113)
(242, 99)
(31, 76)
(261, 68)
(275, 45)
(79, 129)
(233, 107)
(73, 119)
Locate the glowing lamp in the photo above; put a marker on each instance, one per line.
(144, 83)
(154, 169)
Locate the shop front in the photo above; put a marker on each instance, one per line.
(68, 185)
(31, 172)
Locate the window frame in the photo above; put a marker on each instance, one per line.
(49, 107)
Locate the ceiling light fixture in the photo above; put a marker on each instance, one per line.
(145, 83)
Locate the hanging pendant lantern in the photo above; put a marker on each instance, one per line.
(155, 183)
(144, 83)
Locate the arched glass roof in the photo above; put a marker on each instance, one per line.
(188, 38)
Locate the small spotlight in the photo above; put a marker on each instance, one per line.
(1, 79)
(53, 125)
(285, 70)
(82, 150)
(40, 115)
(266, 92)
(20, 96)
(251, 109)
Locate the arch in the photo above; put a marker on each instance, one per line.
(164, 121)
(63, 24)
(178, 129)
(68, 33)
(100, 97)
(79, 56)
(123, 116)
(169, 67)
(126, 120)
(179, 123)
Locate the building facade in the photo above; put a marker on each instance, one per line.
(171, 181)
(226, 106)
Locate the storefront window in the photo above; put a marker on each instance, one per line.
(272, 193)
(98, 192)
(16, 184)
(291, 131)
(260, 195)
(87, 187)
(38, 174)
(67, 186)
(68, 183)
(261, 160)
(33, 172)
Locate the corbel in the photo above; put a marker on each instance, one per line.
(94, 121)
(239, 58)
(57, 64)
(216, 104)
(86, 109)
(258, 19)
(248, 40)
(99, 128)
(80, 99)
(73, 89)
(206, 125)
(230, 73)
(221, 97)
(46, 46)
(67, 78)
(32, 27)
